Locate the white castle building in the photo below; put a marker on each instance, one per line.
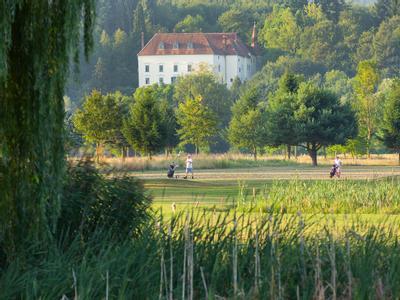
(170, 55)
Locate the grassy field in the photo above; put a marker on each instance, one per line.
(219, 185)
(365, 194)
(238, 234)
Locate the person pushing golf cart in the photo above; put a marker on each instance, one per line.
(335, 171)
(171, 170)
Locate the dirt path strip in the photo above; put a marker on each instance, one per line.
(273, 173)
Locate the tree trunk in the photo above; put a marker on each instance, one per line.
(369, 143)
(295, 152)
(289, 149)
(255, 153)
(123, 153)
(313, 154)
(399, 158)
(98, 150)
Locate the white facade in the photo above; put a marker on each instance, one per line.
(166, 68)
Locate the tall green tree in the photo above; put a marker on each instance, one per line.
(164, 94)
(99, 120)
(139, 21)
(238, 20)
(38, 39)
(366, 105)
(198, 123)
(365, 48)
(205, 85)
(191, 24)
(322, 120)
(247, 127)
(321, 41)
(353, 23)
(387, 47)
(390, 129)
(281, 30)
(144, 128)
(339, 84)
(281, 123)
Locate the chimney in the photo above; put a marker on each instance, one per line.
(224, 40)
(142, 39)
(254, 37)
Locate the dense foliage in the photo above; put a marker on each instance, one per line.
(38, 41)
(144, 128)
(337, 45)
(391, 119)
(335, 34)
(92, 203)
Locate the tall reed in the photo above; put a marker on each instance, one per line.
(192, 257)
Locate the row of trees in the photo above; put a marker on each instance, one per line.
(199, 111)
(155, 116)
(299, 113)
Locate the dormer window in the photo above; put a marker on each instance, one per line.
(190, 45)
(176, 45)
(161, 45)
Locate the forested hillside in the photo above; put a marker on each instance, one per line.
(338, 40)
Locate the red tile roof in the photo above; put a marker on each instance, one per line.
(199, 43)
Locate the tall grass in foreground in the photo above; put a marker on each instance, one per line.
(198, 256)
(335, 196)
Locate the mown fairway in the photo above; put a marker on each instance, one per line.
(221, 186)
(367, 194)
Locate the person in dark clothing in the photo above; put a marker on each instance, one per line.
(171, 170)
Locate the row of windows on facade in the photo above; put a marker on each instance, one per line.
(160, 80)
(189, 68)
(176, 45)
(161, 68)
(173, 80)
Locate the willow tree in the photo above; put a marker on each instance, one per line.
(38, 40)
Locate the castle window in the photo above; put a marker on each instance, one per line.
(175, 68)
(161, 45)
(161, 80)
(173, 79)
(161, 68)
(190, 45)
(147, 68)
(189, 68)
(176, 45)
(147, 80)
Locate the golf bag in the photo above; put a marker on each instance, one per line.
(333, 171)
(171, 171)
